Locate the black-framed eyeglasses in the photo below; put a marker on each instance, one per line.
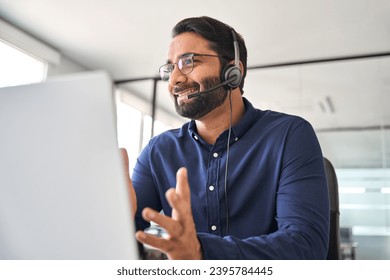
(185, 65)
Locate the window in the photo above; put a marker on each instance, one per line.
(129, 123)
(17, 67)
(134, 130)
(24, 59)
(134, 123)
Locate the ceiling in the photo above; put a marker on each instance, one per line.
(347, 101)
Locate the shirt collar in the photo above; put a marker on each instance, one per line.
(251, 115)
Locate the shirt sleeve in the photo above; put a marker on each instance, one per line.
(302, 208)
(144, 185)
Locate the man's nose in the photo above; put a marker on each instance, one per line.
(176, 77)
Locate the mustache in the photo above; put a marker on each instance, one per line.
(183, 87)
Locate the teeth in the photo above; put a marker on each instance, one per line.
(186, 92)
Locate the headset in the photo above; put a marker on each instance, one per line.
(231, 75)
(232, 72)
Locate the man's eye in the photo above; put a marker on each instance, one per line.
(187, 62)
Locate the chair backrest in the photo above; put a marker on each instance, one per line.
(334, 230)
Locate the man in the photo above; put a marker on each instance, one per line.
(235, 182)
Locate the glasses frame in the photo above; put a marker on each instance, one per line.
(165, 75)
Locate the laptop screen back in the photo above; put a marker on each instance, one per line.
(62, 186)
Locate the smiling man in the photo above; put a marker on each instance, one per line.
(234, 182)
(207, 76)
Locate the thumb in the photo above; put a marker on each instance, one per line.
(125, 159)
(132, 195)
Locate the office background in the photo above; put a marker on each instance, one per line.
(326, 60)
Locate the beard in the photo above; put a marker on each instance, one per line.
(204, 103)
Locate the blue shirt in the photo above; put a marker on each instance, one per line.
(277, 197)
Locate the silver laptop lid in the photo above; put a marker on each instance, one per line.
(62, 187)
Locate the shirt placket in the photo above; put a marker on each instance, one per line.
(212, 191)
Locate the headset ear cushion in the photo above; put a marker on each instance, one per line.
(229, 72)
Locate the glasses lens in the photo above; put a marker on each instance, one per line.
(165, 71)
(186, 64)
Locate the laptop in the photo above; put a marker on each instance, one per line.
(63, 194)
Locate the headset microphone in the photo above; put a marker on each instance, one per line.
(196, 94)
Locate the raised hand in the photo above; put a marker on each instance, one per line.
(182, 242)
(132, 196)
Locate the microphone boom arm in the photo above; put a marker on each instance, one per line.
(196, 94)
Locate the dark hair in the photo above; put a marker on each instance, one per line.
(220, 37)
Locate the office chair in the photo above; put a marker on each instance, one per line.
(334, 230)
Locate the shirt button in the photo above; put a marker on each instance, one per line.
(236, 139)
(215, 155)
(196, 137)
(211, 188)
(213, 228)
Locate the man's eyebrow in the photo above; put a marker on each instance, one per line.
(180, 56)
(185, 54)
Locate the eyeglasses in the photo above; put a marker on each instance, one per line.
(185, 65)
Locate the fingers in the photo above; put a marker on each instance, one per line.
(182, 185)
(172, 227)
(180, 198)
(182, 241)
(163, 245)
(180, 201)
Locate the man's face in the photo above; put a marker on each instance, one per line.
(205, 74)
